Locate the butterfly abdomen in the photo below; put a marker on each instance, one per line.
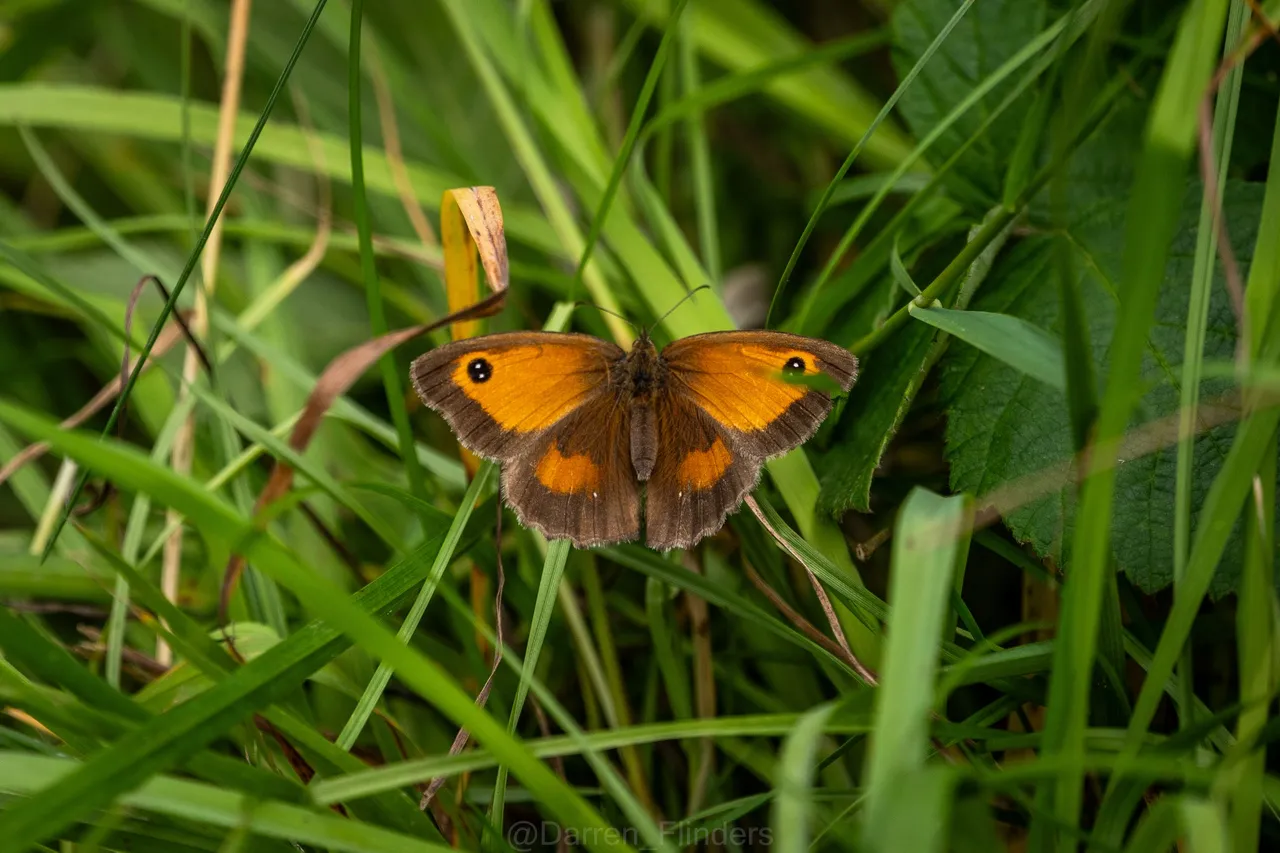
(637, 378)
(644, 439)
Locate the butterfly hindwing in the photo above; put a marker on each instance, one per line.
(699, 477)
(576, 480)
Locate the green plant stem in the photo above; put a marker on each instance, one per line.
(951, 275)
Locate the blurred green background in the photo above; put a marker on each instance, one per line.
(1048, 229)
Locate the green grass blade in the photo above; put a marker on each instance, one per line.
(373, 691)
(792, 807)
(1011, 339)
(928, 543)
(543, 608)
(620, 162)
(27, 775)
(1224, 118)
(1152, 218)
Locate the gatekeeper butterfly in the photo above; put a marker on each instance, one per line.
(578, 424)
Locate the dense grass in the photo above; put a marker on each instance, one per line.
(1017, 594)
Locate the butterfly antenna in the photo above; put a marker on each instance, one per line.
(682, 301)
(582, 302)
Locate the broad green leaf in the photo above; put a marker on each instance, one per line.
(992, 32)
(888, 379)
(1003, 425)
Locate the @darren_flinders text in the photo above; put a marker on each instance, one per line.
(526, 836)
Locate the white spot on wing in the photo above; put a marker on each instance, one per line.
(595, 494)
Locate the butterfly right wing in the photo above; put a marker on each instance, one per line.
(543, 404)
(726, 407)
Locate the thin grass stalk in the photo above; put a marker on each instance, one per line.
(607, 651)
(1255, 617)
(548, 584)
(391, 378)
(444, 557)
(704, 194)
(852, 156)
(629, 140)
(184, 443)
(1202, 279)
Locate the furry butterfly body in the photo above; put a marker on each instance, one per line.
(579, 424)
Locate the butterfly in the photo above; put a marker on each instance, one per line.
(578, 424)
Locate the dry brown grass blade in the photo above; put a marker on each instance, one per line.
(840, 648)
(471, 225)
(337, 377)
(395, 155)
(183, 445)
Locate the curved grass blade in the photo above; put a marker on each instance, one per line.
(444, 557)
(1011, 339)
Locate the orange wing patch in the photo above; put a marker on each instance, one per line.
(528, 388)
(702, 469)
(742, 385)
(567, 475)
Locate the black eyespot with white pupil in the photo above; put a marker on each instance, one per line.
(795, 363)
(479, 370)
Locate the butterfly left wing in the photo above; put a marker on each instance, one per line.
(498, 392)
(576, 480)
(731, 400)
(544, 405)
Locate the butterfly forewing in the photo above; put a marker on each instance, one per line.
(760, 385)
(500, 392)
(544, 406)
